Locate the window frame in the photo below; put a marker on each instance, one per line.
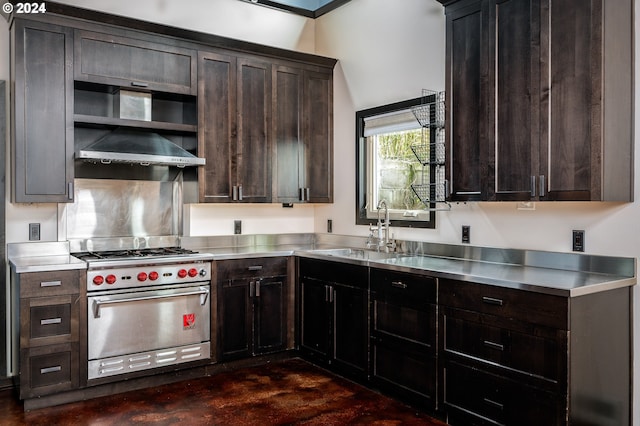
(362, 173)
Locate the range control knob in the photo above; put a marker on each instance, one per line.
(111, 279)
(193, 272)
(98, 280)
(142, 276)
(203, 272)
(182, 273)
(153, 275)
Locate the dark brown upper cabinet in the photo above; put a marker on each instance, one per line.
(42, 111)
(139, 64)
(302, 135)
(217, 96)
(539, 100)
(234, 107)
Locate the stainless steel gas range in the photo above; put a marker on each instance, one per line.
(146, 309)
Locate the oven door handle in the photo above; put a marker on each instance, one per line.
(203, 292)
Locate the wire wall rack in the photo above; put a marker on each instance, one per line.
(430, 151)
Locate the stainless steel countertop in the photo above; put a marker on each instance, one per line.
(537, 279)
(42, 257)
(46, 263)
(564, 274)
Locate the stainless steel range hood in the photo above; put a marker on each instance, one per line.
(138, 147)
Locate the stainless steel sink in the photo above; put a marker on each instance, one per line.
(359, 254)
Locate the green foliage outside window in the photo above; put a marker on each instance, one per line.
(398, 168)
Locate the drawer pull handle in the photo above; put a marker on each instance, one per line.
(50, 369)
(493, 345)
(492, 301)
(398, 284)
(494, 404)
(139, 84)
(50, 321)
(255, 268)
(50, 283)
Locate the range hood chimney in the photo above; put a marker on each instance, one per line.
(138, 147)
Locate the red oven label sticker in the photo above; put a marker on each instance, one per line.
(188, 321)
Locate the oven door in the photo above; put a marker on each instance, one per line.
(142, 321)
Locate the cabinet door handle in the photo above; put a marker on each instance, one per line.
(255, 267)
(301, 194)
(139, 84)
(239, 192)
(50, 283)
(307, 194)
(50, 369)
(234, 193)
(492, 301)
(50, 321)
(252, 289)
(398, 284)
(330, 294)
(258, 288)
(493, 403)
(542, 186)
(494, 345)
(533, 186)
(326, 293)
(70, 190)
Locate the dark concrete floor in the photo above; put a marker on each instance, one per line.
(291, 392)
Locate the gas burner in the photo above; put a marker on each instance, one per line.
(133, 254)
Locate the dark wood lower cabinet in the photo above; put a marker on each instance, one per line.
(403, 336)
(334, 315)
(516, 357)
(50, 350)
(252, 307)
(475, 397)
(46, 370)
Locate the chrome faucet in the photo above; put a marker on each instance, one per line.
(382, 227)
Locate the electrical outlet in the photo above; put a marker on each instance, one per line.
(34, 232)
(466, 234)
(237, 227)
(578, 240)
(329, 226)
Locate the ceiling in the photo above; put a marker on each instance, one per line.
(308, 8)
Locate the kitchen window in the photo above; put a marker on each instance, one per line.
(387, 166)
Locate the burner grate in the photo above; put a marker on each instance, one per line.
(129, 254)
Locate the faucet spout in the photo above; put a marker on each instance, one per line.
(383, 226)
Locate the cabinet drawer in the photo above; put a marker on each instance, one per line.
(404, 322)
(334, 272)
(472, 395)
(121, 61)
(405, 371)
(539, 355)
(521, 305)
(48, 369)
(40, 284)
(408, 289)
(49, 320)
(249, 268)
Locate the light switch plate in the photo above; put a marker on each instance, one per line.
(466, 234)
(34, 232)
(578, 240)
